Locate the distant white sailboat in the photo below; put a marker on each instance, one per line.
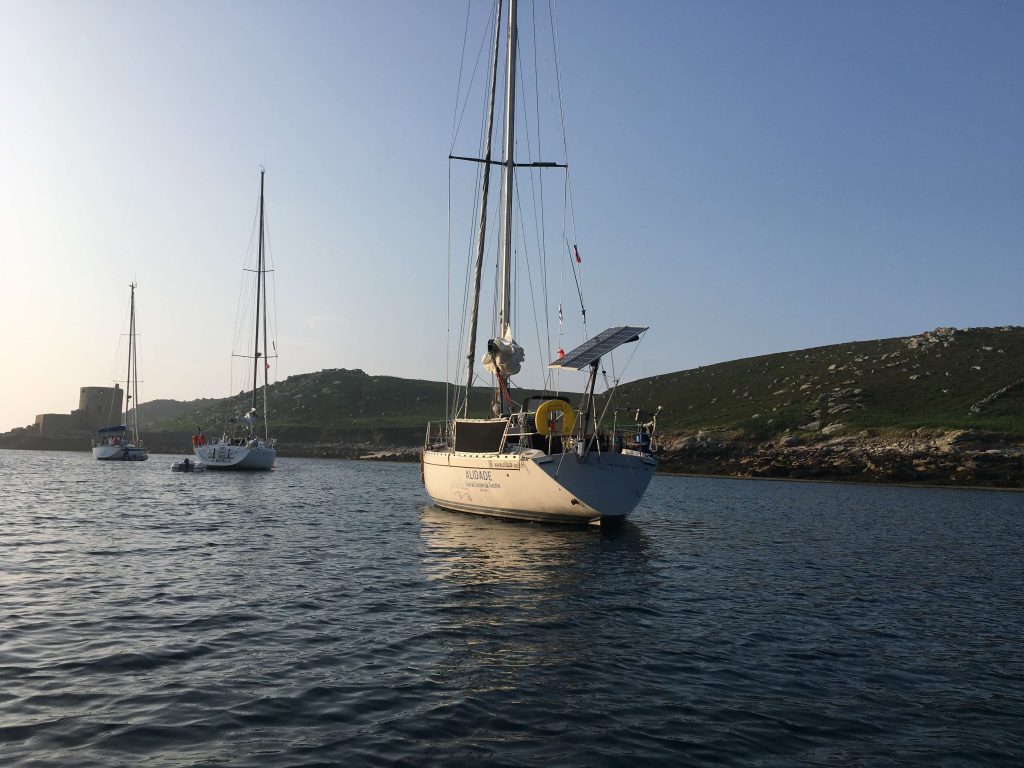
(121, 442)
(535, 460)
(242, 446)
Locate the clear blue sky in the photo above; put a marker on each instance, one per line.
(748, 178)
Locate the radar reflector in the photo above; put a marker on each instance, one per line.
(589, 352)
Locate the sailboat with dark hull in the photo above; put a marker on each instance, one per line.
(244, 445)
(122, 442)
(535, 460)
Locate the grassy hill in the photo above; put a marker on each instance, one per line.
(944, 407)
(969, 379)
(944, 379)
(331, 400)
(157, 411)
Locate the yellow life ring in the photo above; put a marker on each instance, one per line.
(543, 421)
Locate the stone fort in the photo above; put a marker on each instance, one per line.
(98, 407)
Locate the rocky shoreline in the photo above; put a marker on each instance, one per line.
(949, 459)
(956, 458)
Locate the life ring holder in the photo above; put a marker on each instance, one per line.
(541, 421)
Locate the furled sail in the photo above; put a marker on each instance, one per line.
(503, 356)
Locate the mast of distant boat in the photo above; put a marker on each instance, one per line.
(132, 381)
(261, 296)
(263, 274)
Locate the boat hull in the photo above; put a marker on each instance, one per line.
(561, 488)
(236, 457)
(119, 453)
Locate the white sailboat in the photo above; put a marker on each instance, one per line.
(243, 445)
(121, 442)
(533, 460)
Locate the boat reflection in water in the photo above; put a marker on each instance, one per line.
(514, 595)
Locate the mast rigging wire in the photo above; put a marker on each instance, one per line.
(469, 88)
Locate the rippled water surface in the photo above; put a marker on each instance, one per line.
(323, 614)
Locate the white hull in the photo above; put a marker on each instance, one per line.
(119, 453)
(560, 488)
(241, 457)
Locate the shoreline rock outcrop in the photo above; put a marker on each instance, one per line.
(937, 458)
(932, 458)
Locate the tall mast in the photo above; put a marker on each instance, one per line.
(482, 231)
(259, 281)
(266, 364)
(131, 384)
(505, 316)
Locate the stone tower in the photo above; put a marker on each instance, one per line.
(100, 407)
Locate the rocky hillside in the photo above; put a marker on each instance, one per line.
(946, 406)
(946, 379)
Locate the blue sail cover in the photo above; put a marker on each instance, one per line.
(110, 430)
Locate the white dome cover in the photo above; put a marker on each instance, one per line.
(504, 356)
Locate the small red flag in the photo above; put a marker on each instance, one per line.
(268, 366)
(577, 252)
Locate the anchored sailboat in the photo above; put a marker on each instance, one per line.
(121, 442)
(533, 460)
(243, 445)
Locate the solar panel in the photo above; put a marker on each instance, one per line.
(591, 351)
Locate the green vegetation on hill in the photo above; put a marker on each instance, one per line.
(945, 379)
(156, 411)
(331, 400)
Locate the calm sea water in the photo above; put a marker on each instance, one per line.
(323, 614)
